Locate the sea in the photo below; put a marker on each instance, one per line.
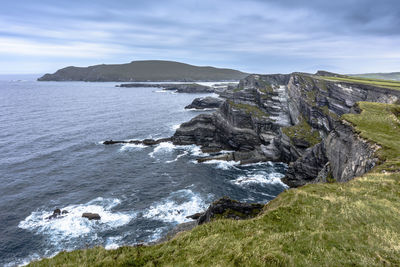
(52, 156)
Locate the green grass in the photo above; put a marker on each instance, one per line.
(333, 224)
(250, 109)
(374, 82)
(383, 76)
(380, 123)
(302, 131)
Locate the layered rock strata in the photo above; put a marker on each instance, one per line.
(292, 118)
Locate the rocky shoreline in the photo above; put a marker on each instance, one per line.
(293, 118)
(179, 88)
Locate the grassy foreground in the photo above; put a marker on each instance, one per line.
(340, 224)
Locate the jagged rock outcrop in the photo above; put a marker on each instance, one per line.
(230, 209)
(247, 122)
(205, 102)
(291, 118)
(223, 208)
(320, 103)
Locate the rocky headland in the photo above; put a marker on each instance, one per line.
(293, 118)
(144, 71)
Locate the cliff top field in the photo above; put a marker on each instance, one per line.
(368, 81)
(333, 224)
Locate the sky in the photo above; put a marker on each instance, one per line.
(255, 36)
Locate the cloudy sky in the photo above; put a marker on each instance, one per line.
(347, 36)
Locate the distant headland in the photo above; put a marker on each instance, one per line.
(144, 71)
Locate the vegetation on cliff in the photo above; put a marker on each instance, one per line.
(333, 224)
(367, 81)
(380, 123)
(249, 109)
(303, 131)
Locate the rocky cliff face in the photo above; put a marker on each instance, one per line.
(247, 122)
(342, 154)
(292, 118)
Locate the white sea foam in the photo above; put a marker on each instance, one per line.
(268, 163)
(175, 126)
(156, 234)
(196, 151)
(71, 225)
(132, 147)
(177, 157)
(164, 147)
(223, 164)
(113, 242)
(176, 207)
(259, 178)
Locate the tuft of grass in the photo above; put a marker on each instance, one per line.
(332, 224)
(368, 81)
(250, 109)
(303, 131)
(326, 111)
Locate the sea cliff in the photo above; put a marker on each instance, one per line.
(330, 129)
(292, 118)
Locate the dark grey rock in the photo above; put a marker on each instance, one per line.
(56, 214)
(91, 216)
(230, 209)
(147, 142)
(206, 102)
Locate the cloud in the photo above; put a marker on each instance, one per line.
(252, 35)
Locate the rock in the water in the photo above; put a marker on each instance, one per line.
(228, 208)
(146, 142)
(195, 216)
(64, 212)
(91, 216)
(206, 102)
(56, 214)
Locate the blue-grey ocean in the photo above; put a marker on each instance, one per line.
(51, 157)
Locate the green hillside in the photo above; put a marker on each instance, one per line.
(142, 71)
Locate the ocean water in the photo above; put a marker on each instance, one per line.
(51, 157)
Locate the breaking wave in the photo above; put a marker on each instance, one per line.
(260, 178)
(176, 207)
(72, 226)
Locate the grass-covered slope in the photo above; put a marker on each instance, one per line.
(384, 76)
(338, 224)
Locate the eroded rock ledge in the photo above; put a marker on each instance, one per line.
(205, 103)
